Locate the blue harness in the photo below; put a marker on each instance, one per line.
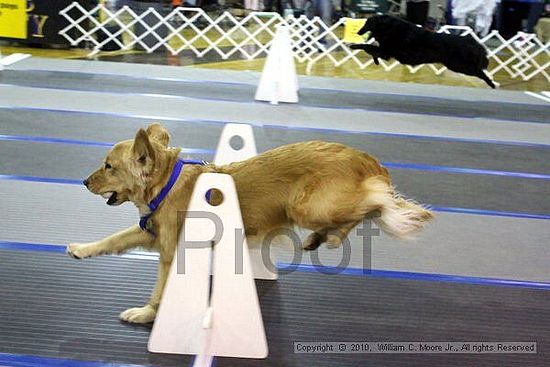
(154, 204)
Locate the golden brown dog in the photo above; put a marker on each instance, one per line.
(325, 187)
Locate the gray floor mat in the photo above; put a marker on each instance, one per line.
(455, 244)
(74, 305)
(434, 188)
(252, 77)
(201, 134)
(262, 114)
(58, 307)
(308, 97)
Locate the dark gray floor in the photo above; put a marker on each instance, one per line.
(57, 307)
(252, 77)
(434, 188)
(308, 97)
(74, 305)
(201, 134)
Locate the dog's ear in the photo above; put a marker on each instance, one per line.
(142, 147)
(159, 134)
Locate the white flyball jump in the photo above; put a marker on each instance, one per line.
(225, 154)
(216, 315)
(279, 82)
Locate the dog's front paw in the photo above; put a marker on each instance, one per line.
(139, 315)
(76, 251)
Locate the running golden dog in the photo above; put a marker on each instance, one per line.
(324, 187)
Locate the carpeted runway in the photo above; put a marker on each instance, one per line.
(480, 158)
(243, 93)
(74, 305)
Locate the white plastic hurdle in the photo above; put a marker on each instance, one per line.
(225, 154)
(279, 82)
(227, 321)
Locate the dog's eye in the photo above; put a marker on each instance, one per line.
(108, 166)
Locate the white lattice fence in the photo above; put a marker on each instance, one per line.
(523, 56)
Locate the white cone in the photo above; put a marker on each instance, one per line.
(279, 82)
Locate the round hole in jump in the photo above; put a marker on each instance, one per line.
(236, 142)
(214, 197)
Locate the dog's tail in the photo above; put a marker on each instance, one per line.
(394, 214)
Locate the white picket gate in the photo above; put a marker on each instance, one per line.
(522, 56)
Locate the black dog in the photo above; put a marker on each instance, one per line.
(412, 45)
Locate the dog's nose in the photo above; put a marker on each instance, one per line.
(86, 182)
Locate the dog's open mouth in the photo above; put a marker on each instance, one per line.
(110, 196)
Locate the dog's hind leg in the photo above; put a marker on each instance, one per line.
(314, 240)
(483, 75)
(334, 237)
(114, 244)
(471, 70)
(337, 236)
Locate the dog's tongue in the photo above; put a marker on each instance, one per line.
(112, 199)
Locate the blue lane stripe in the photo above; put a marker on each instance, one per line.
(249, 102)
(472, 171)
(284, 127)
(394, 165)
(447, 209)
(460, 140)
(21, 360)
(23, 246)
(39, 139)
(416, 276)
(42, 139)
(66, 181)
(435, 208)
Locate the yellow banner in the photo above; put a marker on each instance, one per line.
(352, 26)
(13, 18)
